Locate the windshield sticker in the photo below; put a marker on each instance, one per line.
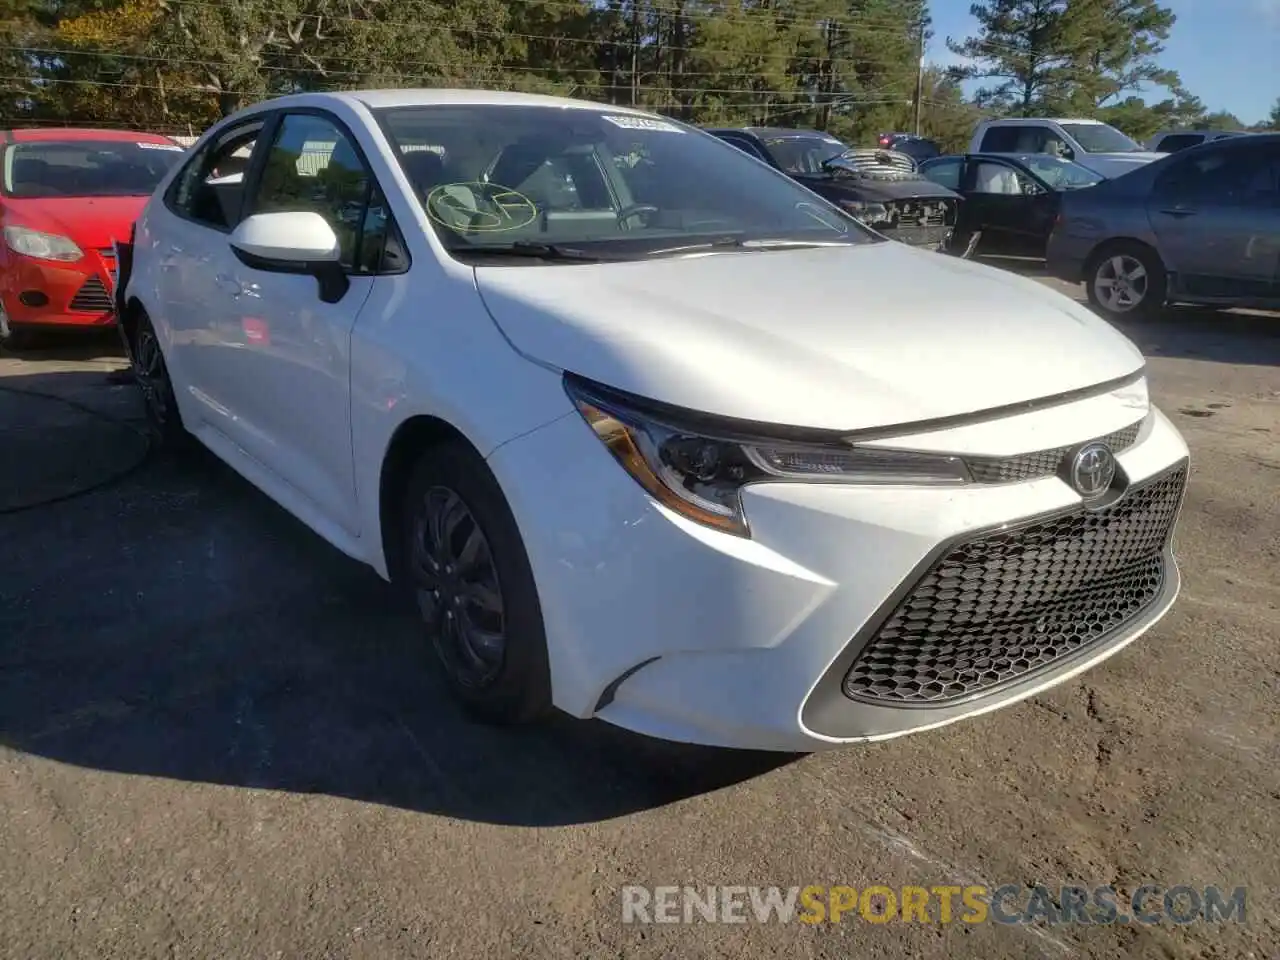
(161, 146)
(475, 207)
(643, 123)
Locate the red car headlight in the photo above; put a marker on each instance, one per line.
(41, 246)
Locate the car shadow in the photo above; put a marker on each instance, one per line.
(172, 622)
(1244, 337)
(69, 345)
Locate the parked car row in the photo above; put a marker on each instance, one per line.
(882, 188)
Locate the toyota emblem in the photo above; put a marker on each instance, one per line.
(1092, 470)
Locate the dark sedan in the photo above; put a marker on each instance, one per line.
(1199, 226)
(1010, 201)
(880, 188)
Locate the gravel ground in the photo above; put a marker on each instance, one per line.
(216, 738)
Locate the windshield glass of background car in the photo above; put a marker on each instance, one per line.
(610, 184)
(1062, 174)
(1100, 138)
(86, 168)
(803, 155)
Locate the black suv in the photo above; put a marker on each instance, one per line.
(880, 188)
(916, 147)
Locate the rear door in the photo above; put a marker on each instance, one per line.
(1216, 215)
(192, 260)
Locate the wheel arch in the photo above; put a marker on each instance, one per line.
(1114, 243)
(408, 441)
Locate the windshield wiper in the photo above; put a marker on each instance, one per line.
(738, 243)
(533, 249)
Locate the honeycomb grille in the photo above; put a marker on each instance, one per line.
(1004, 605)
(93, 297)
(1043, 463)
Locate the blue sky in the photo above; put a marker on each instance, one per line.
(1227, 51)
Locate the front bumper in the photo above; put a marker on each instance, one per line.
(39, 293)
(673, 630)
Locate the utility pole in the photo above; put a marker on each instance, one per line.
(920, 75)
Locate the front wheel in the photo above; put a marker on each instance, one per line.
(1127, 280)
(464, 561)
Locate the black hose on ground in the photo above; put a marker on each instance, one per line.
(101, 484)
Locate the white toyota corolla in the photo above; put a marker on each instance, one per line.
(651, 432)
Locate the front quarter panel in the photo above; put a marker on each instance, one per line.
(425, 346)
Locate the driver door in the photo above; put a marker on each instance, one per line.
(285, 353)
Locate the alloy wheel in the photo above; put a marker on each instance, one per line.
(1121, 283)
(152, 377)
(457, 588)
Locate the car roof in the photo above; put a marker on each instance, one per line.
(423, 97)
(65, 134)
(776, 133)
(1216, 134)
(1010, 121)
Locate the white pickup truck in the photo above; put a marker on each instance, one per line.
(1090, 143)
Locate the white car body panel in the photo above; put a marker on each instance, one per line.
(728, 636)
(820, 345)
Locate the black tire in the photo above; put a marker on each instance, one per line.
(515, 686)
(1151, 292)
(151, 373)
(18, 341)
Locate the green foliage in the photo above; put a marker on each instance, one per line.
(847, 66)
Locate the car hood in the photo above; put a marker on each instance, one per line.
(92, 222)
(835, 338)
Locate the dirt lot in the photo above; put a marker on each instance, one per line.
(218, 741)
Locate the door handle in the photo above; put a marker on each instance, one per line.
(1178, 212)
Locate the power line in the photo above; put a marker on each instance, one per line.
(871, 21)
(559, 39)
(56, 52)
(85, 81)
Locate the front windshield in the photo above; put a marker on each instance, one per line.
(1060, 174)
(612, 185)
(803, 155)
(1100, 138)
(86, 168)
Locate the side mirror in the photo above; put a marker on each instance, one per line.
(1068, 153)
(298, 242)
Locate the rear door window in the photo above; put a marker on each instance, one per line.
(210, 189)
(1232, 175)
(1003, 139)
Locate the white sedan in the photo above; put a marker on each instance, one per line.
(648, 431)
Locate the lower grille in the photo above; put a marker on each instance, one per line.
(93, 297)
(1005, 605)
(923, 213)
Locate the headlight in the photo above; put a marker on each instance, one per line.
(699, 470)
(42, 246)
(869, 213)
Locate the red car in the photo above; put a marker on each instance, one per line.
(65, 195)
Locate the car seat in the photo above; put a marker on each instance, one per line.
(993, 178)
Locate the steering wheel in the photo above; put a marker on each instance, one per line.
(626, 213)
